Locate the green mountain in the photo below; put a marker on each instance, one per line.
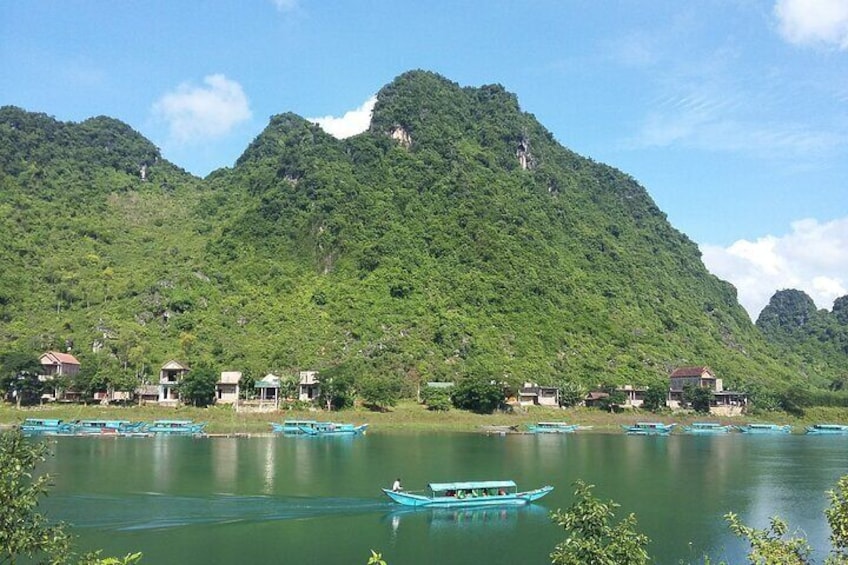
(455, 237)
(818, 339)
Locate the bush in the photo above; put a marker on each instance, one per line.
(478, 394)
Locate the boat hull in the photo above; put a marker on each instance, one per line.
(513, 499)
(827, 430)
(772, 429)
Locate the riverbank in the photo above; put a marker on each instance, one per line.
(407, 416)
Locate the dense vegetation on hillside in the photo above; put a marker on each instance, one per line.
(454, 238)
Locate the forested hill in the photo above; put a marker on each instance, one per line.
(455, 237)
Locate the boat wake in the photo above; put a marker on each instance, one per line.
(150, 511)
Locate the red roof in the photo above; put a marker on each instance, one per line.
(60, 358)
(691, 371)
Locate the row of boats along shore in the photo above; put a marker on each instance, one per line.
(116, 428)
(310, 428)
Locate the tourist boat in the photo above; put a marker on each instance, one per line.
(105, 427)
(827, 429)
(649, 428)
(468, 493)
(706, 428)
(45, 426)
(765, 429)
(174, 427)
(552, 428)
(316, 428)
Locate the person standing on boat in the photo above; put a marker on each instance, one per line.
(396, 486)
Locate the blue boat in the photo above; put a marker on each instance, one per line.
(706, 428)
(649, 429)
(316, 428)
(552, 428)
(106, 427)
(174, 427)
(468, 493)
(827, 429)
(46, 426)
(765, 429)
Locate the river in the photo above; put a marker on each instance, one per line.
(317, 500)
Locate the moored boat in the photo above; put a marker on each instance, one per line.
(706, 428)
(648, 428)
(765, 429)
(316, 428)
(174, 427)
(552, 428)
(45, 426)
(827, 429)
(105, 427)
(468, 493)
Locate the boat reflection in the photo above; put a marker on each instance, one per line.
(452, 519)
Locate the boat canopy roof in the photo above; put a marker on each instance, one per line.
(172, 422)
(466, 485)
(564, 424)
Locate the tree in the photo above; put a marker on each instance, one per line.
(24, 532)
(614, 399)
(571, 393)
(19, 377)
(478, 394)
(437, 399)
(336, 387)
(768, 546)
(837, 519)
(698, 398)
(591, 537)
(198, 386)
(379, 391)
(655, 398)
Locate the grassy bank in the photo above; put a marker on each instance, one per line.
(407, 416)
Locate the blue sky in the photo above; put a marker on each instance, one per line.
(732, 113)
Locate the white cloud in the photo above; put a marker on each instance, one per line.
(813, 257)
(813, 22)
(352, 123)
(201, 112)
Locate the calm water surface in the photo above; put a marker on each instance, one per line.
(317, 500)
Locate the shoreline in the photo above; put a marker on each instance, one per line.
(406, 416)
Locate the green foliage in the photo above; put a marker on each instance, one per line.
(698, 398)
(437, 399)
(655, 398)
(197, 387)
(770, 546)
(23, 531)
(592, 538)
(837, 519)
(379, 391)
(19, 378)
(376, 558)
(571, 393)
(455, 236)
(613, 401)
(337, 387)
(478, 394)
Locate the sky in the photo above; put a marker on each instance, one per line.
(733, 114)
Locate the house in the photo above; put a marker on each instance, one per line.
(268, 389)
(308, 388)
(227, 388)
(170, 376)
(532, 394)
(146, 394)
(55, 364)
(724, 402)
(594, 397)
(635, 396)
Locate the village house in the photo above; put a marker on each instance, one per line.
(268, 390)
(308, 388)
(55, 364)
(532, 394)
(227, 388)
(170, 376)
(724, 402)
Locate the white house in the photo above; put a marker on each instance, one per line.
(308, 388)
(227, 389)
(170, 376)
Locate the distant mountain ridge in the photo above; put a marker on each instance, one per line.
(454, 237)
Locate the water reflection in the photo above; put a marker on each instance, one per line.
(457, 519)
